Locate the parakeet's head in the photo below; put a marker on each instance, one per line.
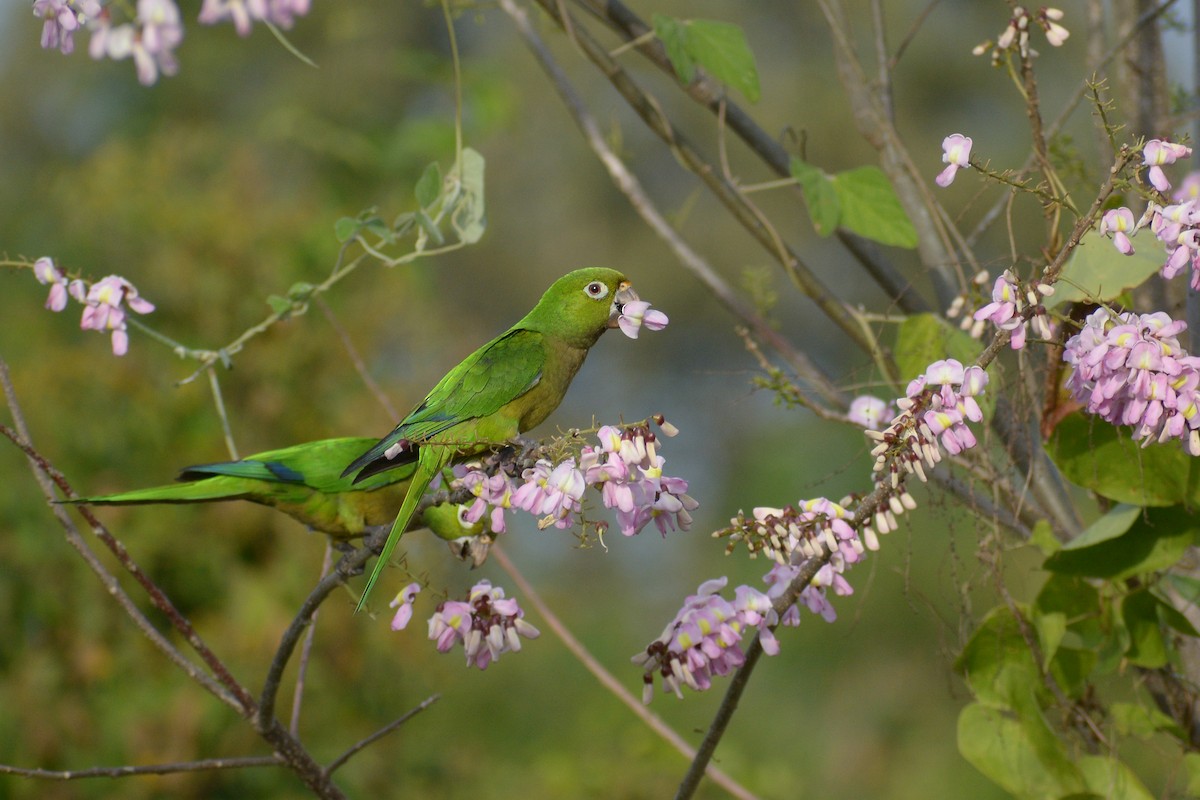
(582, 304)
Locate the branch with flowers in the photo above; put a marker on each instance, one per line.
(1061, 409)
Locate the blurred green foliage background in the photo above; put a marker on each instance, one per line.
(220, 186)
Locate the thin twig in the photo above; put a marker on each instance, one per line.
(356, 360)
(306, 649)
(711, 96)
(651, 111)
(631, 187)
(379, 734)
(214, 383)
(204, 765)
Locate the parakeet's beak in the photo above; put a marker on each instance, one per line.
(625, 294)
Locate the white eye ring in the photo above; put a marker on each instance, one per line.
(596, 290)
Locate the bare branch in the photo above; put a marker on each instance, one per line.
(379, 734)
(205, 765)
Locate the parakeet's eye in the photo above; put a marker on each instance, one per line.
(595, 290)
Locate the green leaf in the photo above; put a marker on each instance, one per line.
(1113, 524)
(345, 228)
(1135, 719)
(380, 228)
(1050, 629)
(824, 208)
(429, 186)
(1173, 618)
(301, 291)
(280, 305)
(469, 218)
(673, 35)
(1072, 670)
(1103, 458)
(1102, 272)
(1147, 647)
(996, 663)
(1019, 753)
(720, 47)
(1191, 762)
(925, 338)
(1112, 779)
(1155, 541)
(1078, 601)
(871, 208)
(1043, 538)
(431, 230)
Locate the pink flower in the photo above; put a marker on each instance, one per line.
(1155, 154)
(1117, 221)
(45, 272)
(487, 625)
(956, 152)
(869, 412)
(244, 12)
(104, 311)
(1055, 34)
(637, 314)
(403, 605)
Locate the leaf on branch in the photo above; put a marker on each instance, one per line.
(719, 47)
(1098, 456)
(871, 208)
(1157, 539)
(824, 207)
(1020, 753)
(429, 186)
(1098, 271)
(469, 218)
(860, 200)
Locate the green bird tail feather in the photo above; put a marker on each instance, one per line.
(216, 488)
(433, 460)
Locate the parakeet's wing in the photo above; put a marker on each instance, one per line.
(494, 375)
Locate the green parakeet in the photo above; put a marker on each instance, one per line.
(304, 482)
(501, 390)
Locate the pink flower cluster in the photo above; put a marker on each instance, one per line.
(61, 19)
(152, 29)
(625, 467)
(1130, 369)
(487, 624)
(938, 405)
(104, 301)
(1016, 33)
(704, 638)
(280, 13)
(1007, 311)
(807, 530)
(1176, 226)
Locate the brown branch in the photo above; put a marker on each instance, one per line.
(379, 734)
(205, 765)
(710, 95)
(651, 112)
(632, 189)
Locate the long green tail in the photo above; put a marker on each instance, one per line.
(206, 490)
(432, 461)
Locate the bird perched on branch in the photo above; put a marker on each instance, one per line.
(498, 392)
(305, 482)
